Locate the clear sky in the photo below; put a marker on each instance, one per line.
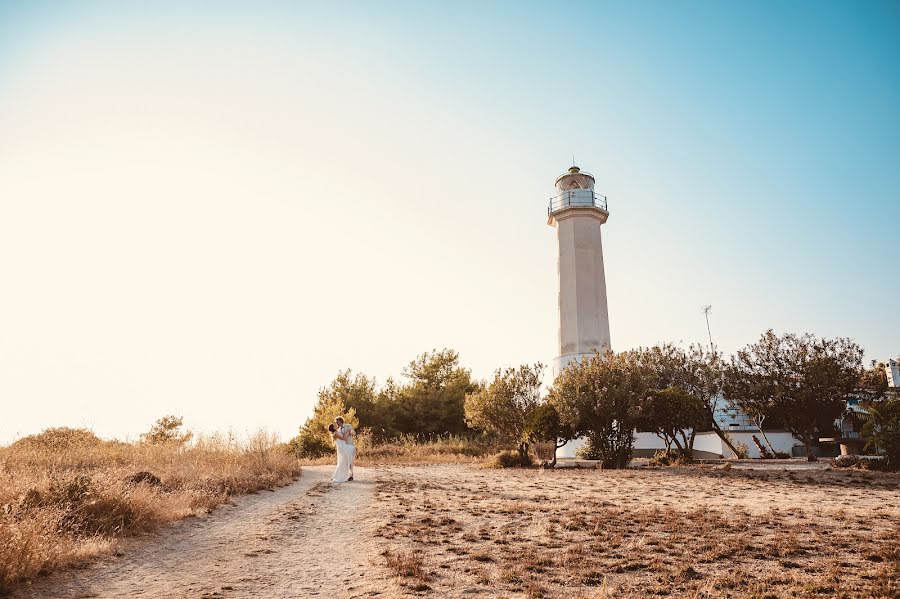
(209, 209)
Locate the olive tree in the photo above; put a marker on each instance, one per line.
(695, 371)
(505, 405)
(545, 426)
(670, 413)
(599, 397)
(801, 381)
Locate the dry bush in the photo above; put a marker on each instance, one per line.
(510, 459)
(409, 564)
(66, 495)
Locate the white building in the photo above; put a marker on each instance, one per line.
(893, 373)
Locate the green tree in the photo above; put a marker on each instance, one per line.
(799, 380)
(696, 371)
(873, 383)
(504, 406)
(882, 427)
(545, 426)
(314, 440)
(433, 401)
(599, 397)
(167, 431)
(668, 413)
(355, 392)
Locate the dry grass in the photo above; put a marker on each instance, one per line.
(686, 532)
(410, 451)
(409, 565)
(65, 497)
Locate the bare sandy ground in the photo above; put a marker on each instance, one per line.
(781, 531)
(312, 538)
(465, 531)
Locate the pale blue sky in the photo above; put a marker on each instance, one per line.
(211, 208)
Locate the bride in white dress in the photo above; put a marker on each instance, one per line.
(344, 447)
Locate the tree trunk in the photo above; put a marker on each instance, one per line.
(523, 452)
(807, 443)
(556, 447)
(759, 425)
(724, 437)
(665, 440)
(681, 448)
(688, 445)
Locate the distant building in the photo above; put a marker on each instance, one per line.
(893, 373)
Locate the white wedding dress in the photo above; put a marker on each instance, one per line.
(345, 453)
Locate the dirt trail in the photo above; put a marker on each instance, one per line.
(312, 538)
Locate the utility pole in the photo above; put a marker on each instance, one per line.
(706, 310)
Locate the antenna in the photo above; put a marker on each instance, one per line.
(573, 159)
(706, 310)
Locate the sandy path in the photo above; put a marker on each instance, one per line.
(297, 541)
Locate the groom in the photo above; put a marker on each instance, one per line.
(346, 431)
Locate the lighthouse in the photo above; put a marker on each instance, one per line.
(578, 213)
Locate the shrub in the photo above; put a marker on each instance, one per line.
(511, 459)
(309, 445)
(743, 452)
(545, 428)
(58, 440)
(845, 461)
(873, 463)
(167, 430)
(669, 457)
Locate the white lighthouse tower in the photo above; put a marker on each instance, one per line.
(578, 212)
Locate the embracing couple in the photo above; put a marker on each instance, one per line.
(342, 435)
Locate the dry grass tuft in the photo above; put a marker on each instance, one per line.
(67, 496)
(409, 565)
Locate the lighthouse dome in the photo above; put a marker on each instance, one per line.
(574, 179)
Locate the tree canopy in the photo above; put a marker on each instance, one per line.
(802, 381)
(506, 404)
(599, 397)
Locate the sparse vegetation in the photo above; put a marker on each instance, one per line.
(638, 533)
(66, 495)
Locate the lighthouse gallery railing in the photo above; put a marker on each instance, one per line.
(577, 198)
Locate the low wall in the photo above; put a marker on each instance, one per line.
(707, 445)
